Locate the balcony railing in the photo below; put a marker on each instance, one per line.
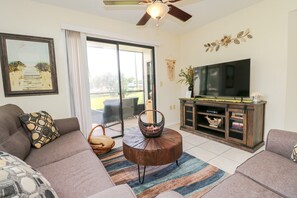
(98, 98)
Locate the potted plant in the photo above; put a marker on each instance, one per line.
(187, 77)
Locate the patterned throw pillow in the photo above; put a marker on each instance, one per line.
(18, 179)
(294, 154)
(42, 127)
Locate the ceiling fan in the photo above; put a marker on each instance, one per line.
(157, 9)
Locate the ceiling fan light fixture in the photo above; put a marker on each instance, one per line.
(157, 10)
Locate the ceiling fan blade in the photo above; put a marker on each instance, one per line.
(173, 1)
(125, 2)
(178, 13)
(144, 19)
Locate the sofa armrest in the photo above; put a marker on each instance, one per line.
(123, 191)
(281, 142)
(67, 125)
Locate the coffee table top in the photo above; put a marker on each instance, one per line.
(152, 151)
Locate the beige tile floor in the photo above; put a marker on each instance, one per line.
(217, 154)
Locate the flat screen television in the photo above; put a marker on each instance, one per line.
(229, 79)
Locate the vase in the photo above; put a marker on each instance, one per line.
(191, 88)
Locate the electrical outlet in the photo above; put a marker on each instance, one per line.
(170, 107)
(173, 106)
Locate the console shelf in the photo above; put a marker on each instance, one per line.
(241, 126)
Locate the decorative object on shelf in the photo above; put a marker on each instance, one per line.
(100, 144)
(187, 77)
(236, 115)
(226, 40)
(215, 122)
(151, 129)
(170, 69)
(257, 97)
(28, 65)
(237, 126)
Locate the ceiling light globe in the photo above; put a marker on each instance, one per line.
(157, 10)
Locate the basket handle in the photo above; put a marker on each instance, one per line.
(93, 129)
(154, 110)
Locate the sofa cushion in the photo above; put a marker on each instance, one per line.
(63, 147)
(42, 127)
(272, 171)
(18, 179)
(238, 185)
(78, 176)
(13, 138)
(123, 191)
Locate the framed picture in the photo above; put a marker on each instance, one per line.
(188, 94)
(28, 65)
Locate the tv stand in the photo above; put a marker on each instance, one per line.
(241, 126)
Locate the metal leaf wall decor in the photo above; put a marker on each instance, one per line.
(226, 40)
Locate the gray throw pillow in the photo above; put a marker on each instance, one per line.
(18, 179)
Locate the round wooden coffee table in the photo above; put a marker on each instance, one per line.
(152, 151)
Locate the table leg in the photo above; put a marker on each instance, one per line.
(176, 163)
(141, 181)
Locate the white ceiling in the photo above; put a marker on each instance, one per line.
(203, 11)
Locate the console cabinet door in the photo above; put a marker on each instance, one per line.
(188, 115)
(237, 125)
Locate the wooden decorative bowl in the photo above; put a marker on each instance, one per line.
(151, 129)
(214, 122)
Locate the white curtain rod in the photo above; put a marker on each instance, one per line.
(106, 35)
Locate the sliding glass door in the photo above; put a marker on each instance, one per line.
(121, 83)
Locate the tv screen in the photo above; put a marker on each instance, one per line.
(223, 79)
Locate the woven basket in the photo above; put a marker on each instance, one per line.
(151, 130)
(101, 144)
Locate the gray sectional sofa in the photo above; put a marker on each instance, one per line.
(75, 171)
(68, 162)
(270, 173)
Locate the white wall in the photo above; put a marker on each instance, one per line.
(291, 107)
(268, 23)
(267, 20)
(36, 19)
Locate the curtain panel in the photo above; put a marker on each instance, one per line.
(78, 79)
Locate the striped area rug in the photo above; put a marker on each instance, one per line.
(192, 178)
